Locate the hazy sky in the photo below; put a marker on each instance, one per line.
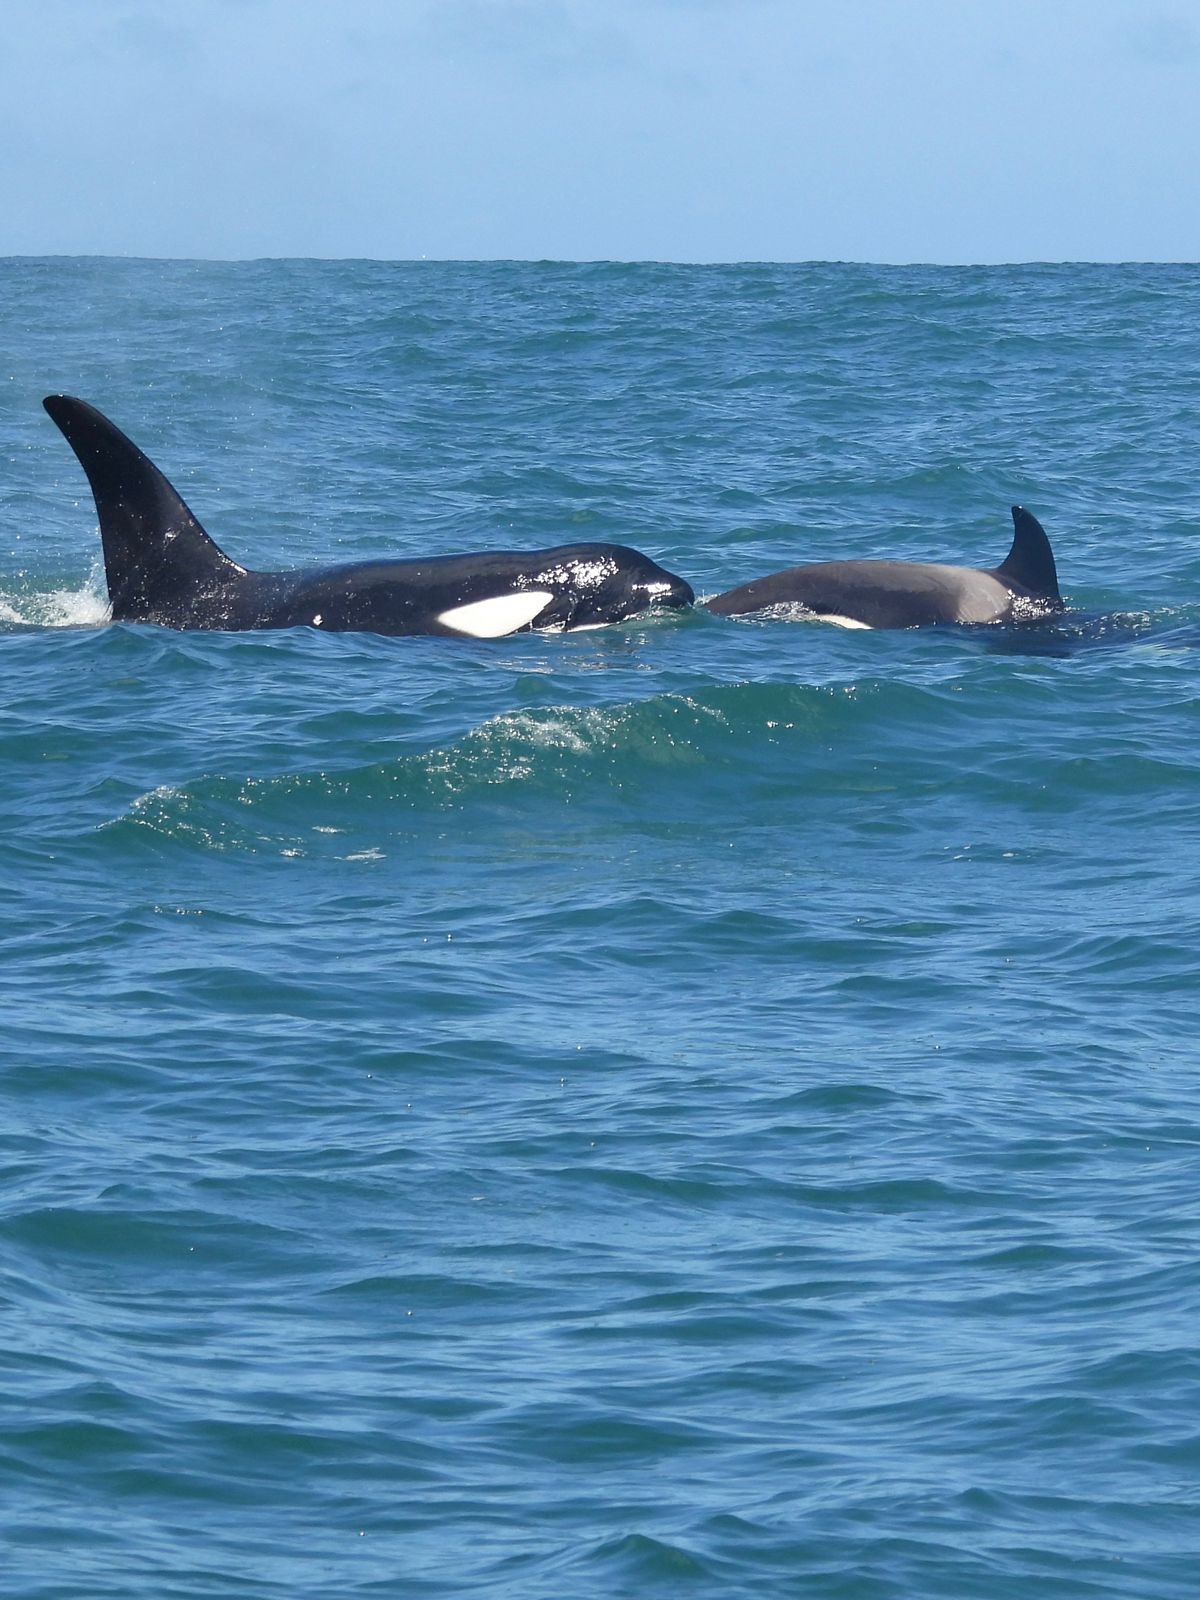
(687, 130)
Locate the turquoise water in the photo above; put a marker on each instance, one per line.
(706, 1107)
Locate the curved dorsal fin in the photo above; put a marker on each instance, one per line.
(1029, 565)
(157, 557)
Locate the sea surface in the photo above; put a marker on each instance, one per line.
(708, 1107)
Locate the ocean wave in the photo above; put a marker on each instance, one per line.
(883, 741)
(682, 744)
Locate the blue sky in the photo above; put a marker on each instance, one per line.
(687, 130)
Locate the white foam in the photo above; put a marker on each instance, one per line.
(57, 608)
(501, 614)
(795, 611)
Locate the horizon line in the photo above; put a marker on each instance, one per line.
(600, 261)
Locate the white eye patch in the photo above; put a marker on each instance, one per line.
(493, 618)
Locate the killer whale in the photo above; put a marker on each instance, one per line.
(913, 594)
(162, 567)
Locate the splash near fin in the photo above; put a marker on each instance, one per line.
(493, 618)
(1029, 565)
(157, 557)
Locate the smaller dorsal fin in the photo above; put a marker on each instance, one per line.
(157, 557)
(1029, 565)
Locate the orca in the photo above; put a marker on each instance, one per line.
(913, 594)
(162, 567)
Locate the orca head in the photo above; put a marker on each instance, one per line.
(598, 584)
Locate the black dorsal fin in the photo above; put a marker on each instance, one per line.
(1029, 565)
(157, 557)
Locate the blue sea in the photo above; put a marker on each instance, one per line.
(708, 1107)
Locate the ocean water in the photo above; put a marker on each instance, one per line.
(706, 1107)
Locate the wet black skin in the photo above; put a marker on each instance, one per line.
(162, 567)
